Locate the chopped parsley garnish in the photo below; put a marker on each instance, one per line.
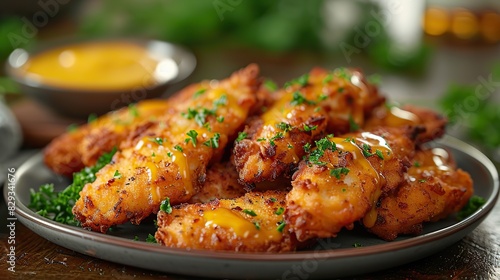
(153, 154)
(328, 78)
(353, 126)
(151, 238)
(379, 154)
(422, 180)
(117, 175)
(257, 225)
(72, 127)
(165, 206)
(278, 135)
(366, 150)
(241, 135)
(302, 81)
(309, 127)
(284, 126)
(157, 140)
(281, 226)
(136, 238)
(340, 89)
(357, 245)
(270, 85)
(261, 139)
(213, 142)
(132, 109)
(416, 164)
(337, 172)
(169, 154)
(199, 116)
(298, 99)
(307, 147)
(343, 73)
(249, 212)
(220, 119)
(192, 137)
(92, 118)
(273, 199)
(321, 146)
(474, 203)
(349, 139)
(58, 206)
(199, 92)
(322, 97)
(221, 101)
(178, 148)
(280, 211)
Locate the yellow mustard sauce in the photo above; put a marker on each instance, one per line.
(93, 66)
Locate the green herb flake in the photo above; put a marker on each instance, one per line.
(199, 92)
(417, 164)
(379, 154)
(92, 118)
(309, 127)
(366, 150)
(157, 140)
(249, 212)
(178, 148)
(117, 175)
(220, 119)
(353, 126)
(270, 85)
(72, 128)
(165, 206)
(284, 126)
(357, 245)
(257, 225)
(280, 211)
(136, 238)
(307, 147)
(192, 134)
(213, 142)
(132, 109)
(241, 135)
(298, 99)
(151, 238)
(328, 78)
(281, 226)
(273, 199)
(474, 203)
(337, 172)
(301, 81)
(221, 101)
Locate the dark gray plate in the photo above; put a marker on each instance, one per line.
(330, 258)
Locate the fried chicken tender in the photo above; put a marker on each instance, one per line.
(430, 125)
(252, 223)
(433, 190)
(343, 178)
(74, 150)
(314, 103)
(221, 183)
(170, 157)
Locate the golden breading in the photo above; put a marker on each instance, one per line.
(252, 223)
(74, 150)
(320, 101)
(170, 157)
(221, 183)
(429, 123)
(433, 189)
(343, 178)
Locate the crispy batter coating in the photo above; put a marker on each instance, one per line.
(343, 178)
(170, 157)
(251, 223)
(221, 183)
(429, 124)
(314, 103)
(434, 188)
(74, 150)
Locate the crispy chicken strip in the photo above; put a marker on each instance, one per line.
(170, 157)
(314, 103)
(343, 178)
(252, 223)
(82, 147)
(434, 188)
(221, 183)
(429, 124)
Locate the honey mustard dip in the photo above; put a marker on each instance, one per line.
(93, 66)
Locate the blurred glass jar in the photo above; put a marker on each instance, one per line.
(10, 133)
(463, 21)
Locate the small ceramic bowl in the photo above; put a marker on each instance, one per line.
(86, 90)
